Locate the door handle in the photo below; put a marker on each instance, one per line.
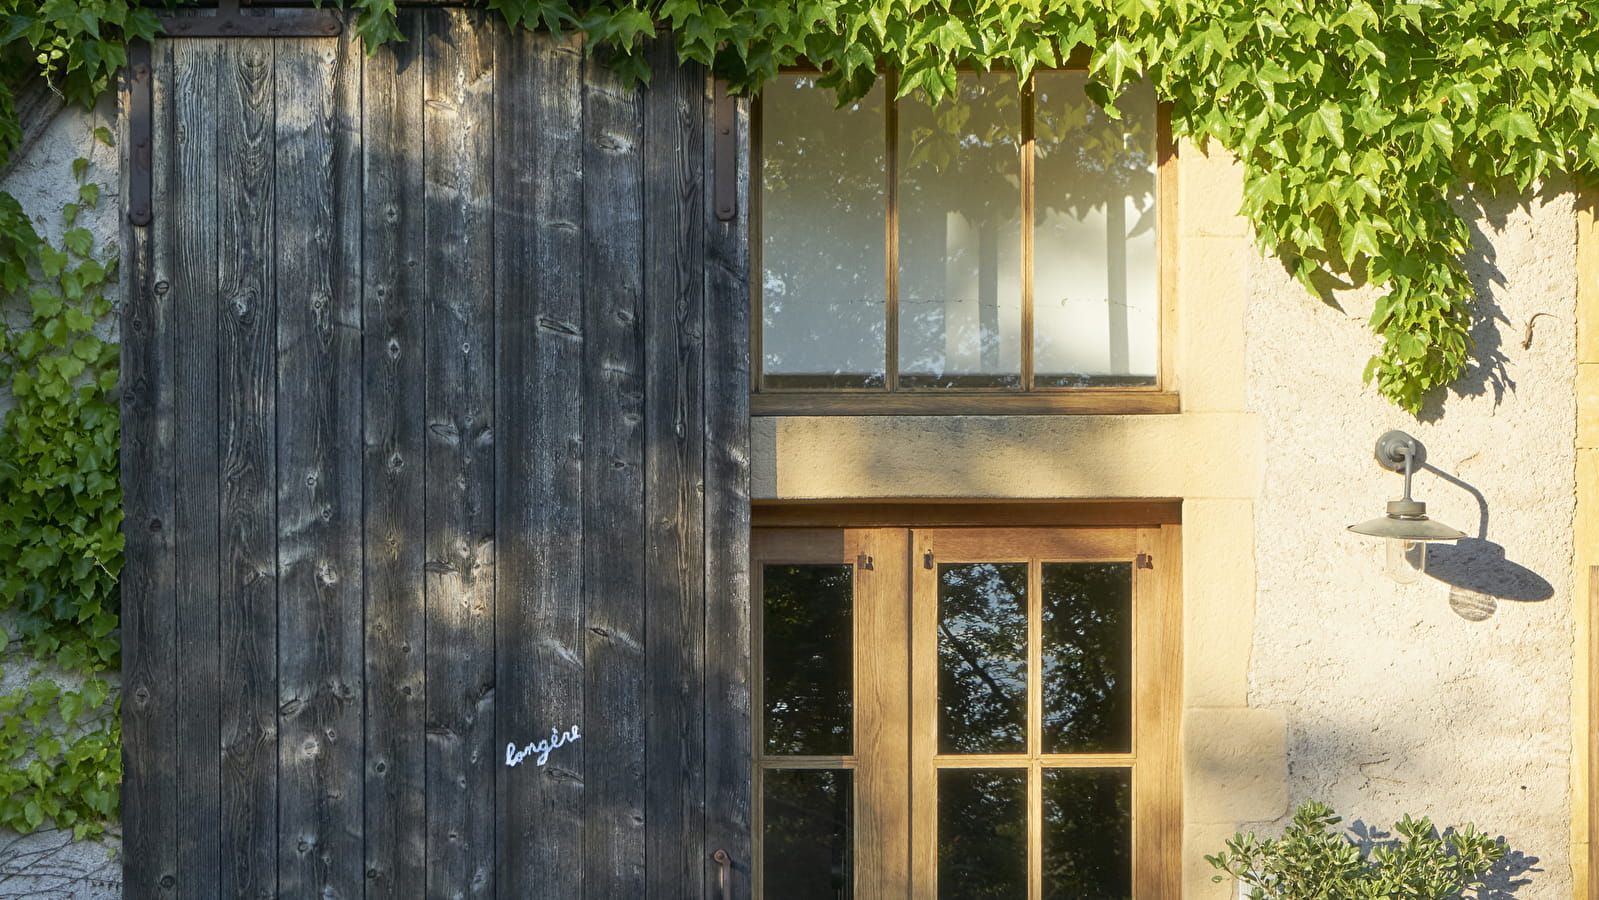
(724, 863)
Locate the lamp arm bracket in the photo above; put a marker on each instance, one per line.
(1396, 449)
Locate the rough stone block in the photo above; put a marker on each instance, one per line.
(1200, 841)
(1212, 301)
(1235, 765)
(1588, 405)
(1210, 189)
(1219, 602)
(1047, 457)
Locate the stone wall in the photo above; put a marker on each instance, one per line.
(1450, 697)
(1307, 672)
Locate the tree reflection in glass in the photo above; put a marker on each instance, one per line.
(982, 657)
(823, 237)
(1087, 657)
(960, 237)
(1088, 834)
(808, 650)
(982, 834)
(808, 835)
(1095, 270)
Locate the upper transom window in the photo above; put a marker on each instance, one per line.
(1002, 243)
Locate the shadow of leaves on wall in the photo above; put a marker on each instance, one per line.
(1500, 882)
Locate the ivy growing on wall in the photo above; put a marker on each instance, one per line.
(60, 520)
(60, 498)
(1358, 124)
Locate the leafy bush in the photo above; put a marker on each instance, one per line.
(1313, 862)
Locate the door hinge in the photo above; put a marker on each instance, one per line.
(724, 158)
(229, 21)
(862, 561)
(140, 115)
(1143, 561)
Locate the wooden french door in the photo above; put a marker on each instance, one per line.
(966, 713)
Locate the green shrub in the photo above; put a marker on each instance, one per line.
(1312, 862)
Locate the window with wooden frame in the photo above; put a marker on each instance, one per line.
(1001, 252)
(966, 713)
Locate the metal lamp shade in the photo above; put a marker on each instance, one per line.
(1407, 528)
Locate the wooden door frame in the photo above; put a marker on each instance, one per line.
(871, 531)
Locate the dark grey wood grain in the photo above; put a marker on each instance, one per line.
(247, 388)
(361, 270)
(186, 179)
(392, 389)
(674, 538)
(727, 602)
(151, 703)
(613, 487)
(317, 230)
(539, 637)
(457, 65)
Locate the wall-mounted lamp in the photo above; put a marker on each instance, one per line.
(1406, 527)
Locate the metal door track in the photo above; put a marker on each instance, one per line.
(229, 21)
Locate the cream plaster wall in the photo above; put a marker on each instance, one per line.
(1307, 674)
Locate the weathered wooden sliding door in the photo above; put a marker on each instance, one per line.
(435, 441)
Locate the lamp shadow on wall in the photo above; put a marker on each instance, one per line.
(1500, 882)
(1476, 569)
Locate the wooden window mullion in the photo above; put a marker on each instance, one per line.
(891, 224)
(1027, 179)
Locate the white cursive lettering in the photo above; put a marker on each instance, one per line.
(557, 739)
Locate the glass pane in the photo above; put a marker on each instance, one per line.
(1095, 274)
(1086, 632)
(960, 211)
(809, 673)
(808, 837)
(1088, 834)
(982, 658)
(982, 833)
(824, 305)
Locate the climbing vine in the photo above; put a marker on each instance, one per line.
(60, 497)
(1360, 124)
(60, 518)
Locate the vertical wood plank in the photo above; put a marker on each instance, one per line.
(457, 62)
(149, 625)
(539, 635)
(674, 540)
(247, 391)
(187, 221)
(613, 487)
(392, 394)
(1157, 778)
(315, 215)
(727, 510)
(882, 703)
